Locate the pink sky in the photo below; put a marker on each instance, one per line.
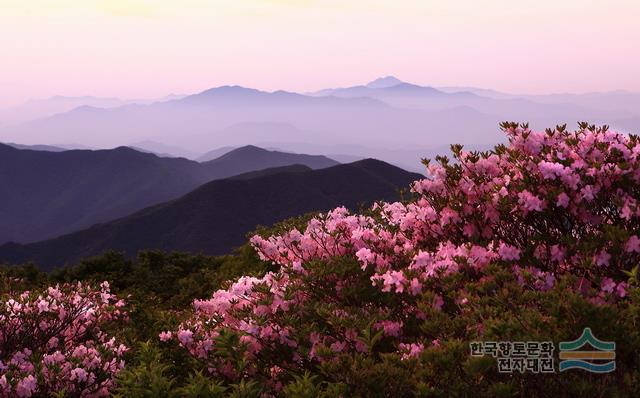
(145, 48)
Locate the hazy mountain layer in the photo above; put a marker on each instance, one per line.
(387, 115)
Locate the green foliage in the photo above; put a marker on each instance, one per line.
(307, 386)
(152, 375)
(201, 386)
(149, 376)
(160, 288)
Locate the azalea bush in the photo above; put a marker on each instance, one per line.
(533, 240)
(158, 287)
(56, 341)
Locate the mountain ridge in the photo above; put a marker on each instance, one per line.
(45, 194)
(215, 217)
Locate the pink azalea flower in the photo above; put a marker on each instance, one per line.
(508, 252)
(602, 258)
(632, 245)
(530, 202)
(26, 387)
(563, 200)
(185, 337)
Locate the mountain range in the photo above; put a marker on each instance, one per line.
(39, 108)
(399, 121)
(45, 194)
(191, 173)
(215, 217)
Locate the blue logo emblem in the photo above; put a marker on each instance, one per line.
(599, 360)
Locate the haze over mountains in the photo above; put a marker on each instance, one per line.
(44, 194)
(390, 119)
(215, 217)
(39, 108)
(198, 172)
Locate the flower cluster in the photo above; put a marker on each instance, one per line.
(55, 341)
(546, 204)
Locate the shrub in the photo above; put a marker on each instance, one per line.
(532, 240)
(56, 342)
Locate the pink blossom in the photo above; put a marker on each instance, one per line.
(165, 336)
(563, 200)
(587, 193)
(390, 328)
(608, 285)
(43, 305)
(26, 387)
(552, 196)
(632, 245)
(415, 287)
(365, 256)
(412, 350)
(530, 202)
(621, 289)
(438, 302)
(508, 252)
(550, 170)
(602, 258)
(557, 253)
(60, 331)
(79, 374)
(338, 346)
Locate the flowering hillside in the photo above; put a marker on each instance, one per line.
(548, 209)
(532, 241)
(53, 342)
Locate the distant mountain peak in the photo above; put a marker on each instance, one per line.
(248, 149)
(227, 90)
(239, 93)
(251, 157)
(245, 151)
(384, 82)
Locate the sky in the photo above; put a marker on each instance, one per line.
(148, 49)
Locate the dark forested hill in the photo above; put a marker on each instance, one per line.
(46, 194)
(215, 217)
